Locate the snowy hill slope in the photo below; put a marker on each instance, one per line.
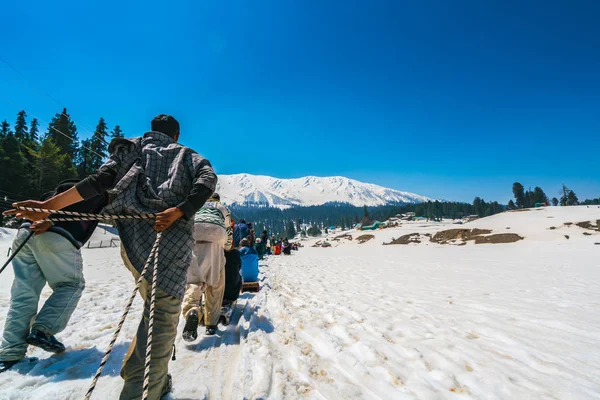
(307, 191)
(547, 224)
(507, 321)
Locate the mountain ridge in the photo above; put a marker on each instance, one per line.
(307, 191)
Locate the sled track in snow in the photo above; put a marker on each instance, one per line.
(222, 362)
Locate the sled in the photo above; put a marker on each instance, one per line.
(250, 287)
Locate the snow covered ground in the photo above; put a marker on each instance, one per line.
(427, 321)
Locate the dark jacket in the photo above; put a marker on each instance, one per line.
(77, 232)
(264, 237)
(233, 279)
(240, 232)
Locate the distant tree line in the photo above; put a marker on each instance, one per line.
(532, 198)
(313, 220)
(33, 162)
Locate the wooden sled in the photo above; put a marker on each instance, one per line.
(250, 287)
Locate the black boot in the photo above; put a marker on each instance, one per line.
(211, 330)
(6, 365)
(190, 331)
(46, 342)
(168, 388)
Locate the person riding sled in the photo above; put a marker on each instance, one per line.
(213, 235)
(249, 258)
(51, 256)
(149, 174)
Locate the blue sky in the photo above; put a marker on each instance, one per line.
(450, 99)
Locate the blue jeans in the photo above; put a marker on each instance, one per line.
(46, 258)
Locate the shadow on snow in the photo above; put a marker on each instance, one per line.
(74, 364)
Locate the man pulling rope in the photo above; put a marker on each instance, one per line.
(145, 176)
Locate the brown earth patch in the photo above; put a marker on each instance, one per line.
(406, 239)
(345, 236)
(364, 238)
(588, 225)
(443, 237)
(520, 210)
(498, 238)
(479, 236)
(460, 237)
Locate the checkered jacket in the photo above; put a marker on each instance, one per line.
(155, 173)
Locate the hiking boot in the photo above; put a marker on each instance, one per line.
(168, 388)
(190, 331)
(46, 342)
(6, 365)
(211, 330)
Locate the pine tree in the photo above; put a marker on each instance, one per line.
(117, 132)
(554, 201)
(564, 199)
(98, 145)
(572, 199)
(511, 205)
(85, 160)
(290, 231)
(29, 147)
(63, 132)
(12, 164)
(34, 130)
(478, 206)
(538, 196)
(519, 193)
(4, 129)
(21, 127)
(52, 167)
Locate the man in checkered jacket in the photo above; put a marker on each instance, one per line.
(151, 174)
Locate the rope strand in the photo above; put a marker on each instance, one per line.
(153, 253)
(83, 216)
(146, 386)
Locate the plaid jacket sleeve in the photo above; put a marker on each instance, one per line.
(111, 171)
(205, 182)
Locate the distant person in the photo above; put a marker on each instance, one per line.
(260, 248)
(264, 237)
(251, 235)
(249, 258)
(240, 231)
(51, 256)
(278, 248)
(212, 232)
(287, 248)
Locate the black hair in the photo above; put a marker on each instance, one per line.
(216, 196)
(166, 124)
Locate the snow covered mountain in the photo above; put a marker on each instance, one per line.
(307, 191)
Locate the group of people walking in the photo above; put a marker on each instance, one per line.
(200, 252)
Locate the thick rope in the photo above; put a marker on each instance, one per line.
(153, 253)
(150, 329)
(83, 216)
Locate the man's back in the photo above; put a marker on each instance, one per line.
(154, 173)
